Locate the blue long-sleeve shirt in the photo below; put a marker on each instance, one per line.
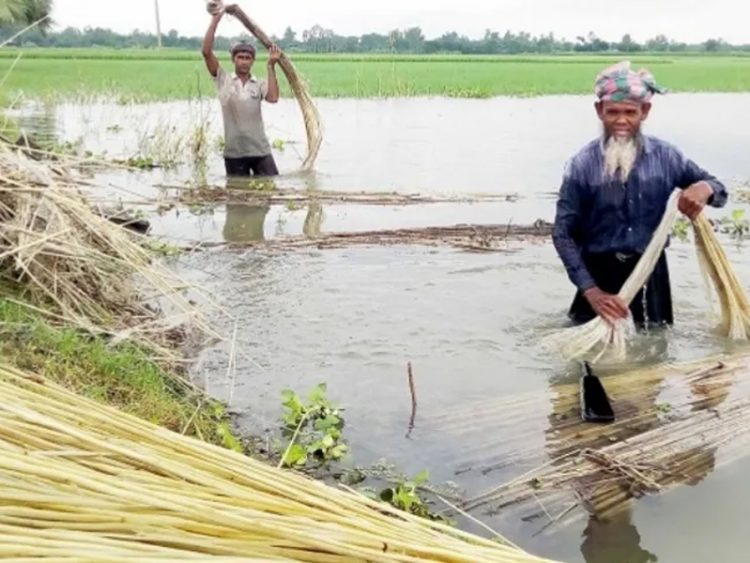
(596, 213)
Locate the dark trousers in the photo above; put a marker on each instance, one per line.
(610, 271)
(251, 166)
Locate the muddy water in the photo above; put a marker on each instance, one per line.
(469, 323)
(428, 145)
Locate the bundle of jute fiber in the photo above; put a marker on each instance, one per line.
(81, 480)
(715, 266)
(310, 112)
(69, 260)
(579, 341)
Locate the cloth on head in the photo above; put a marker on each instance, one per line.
(619, 83)
(243, 48)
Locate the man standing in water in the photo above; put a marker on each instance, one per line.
(247, 150)
(613, 196)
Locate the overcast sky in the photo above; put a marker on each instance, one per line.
(685, 20)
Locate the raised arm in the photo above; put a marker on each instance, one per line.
(274, 53)
(212, 63)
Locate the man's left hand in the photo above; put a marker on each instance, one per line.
(694, 198)
(274, 55)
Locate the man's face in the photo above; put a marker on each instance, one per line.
(622, 119)
(243, 61)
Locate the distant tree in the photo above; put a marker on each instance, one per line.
(627, 45)
(714, 45)
(289, 39)
(413, 39)
(659, 43)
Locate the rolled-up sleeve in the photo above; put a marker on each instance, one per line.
(688, 173)
(567, 219)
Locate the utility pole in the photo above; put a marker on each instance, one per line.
(158, 23)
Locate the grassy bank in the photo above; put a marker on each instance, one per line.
(151, 75)
(124, 375)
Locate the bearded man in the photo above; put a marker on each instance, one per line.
(613, 196)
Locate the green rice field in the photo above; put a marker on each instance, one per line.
(144, 75)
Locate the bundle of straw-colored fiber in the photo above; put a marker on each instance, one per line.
(307, 106)
(82, 481)
(597, 335)
(91, 273)
(716, 267)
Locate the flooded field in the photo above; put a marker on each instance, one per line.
(470, 323)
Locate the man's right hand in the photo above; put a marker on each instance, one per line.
(609, 307)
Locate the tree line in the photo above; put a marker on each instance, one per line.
(318, 39)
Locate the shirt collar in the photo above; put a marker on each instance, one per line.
(235, 77)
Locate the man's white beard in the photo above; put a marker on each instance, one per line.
(620, 154)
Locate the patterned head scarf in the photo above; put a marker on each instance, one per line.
(619, 83)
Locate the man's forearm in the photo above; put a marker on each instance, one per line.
(273, 84)
(208, 40)
(571, 257)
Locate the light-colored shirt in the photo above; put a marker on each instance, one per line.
(244, 131)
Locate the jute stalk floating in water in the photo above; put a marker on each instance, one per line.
(647, 451)
(307, 106)
(579, 341)
(83, 481)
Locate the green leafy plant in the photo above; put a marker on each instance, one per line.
(261, 185)
(319, 425)
(736, 225)
(405, 495)
(681, 229)
(141, 162)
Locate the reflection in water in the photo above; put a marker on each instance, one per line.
(39, 127)
(314, 220)
(245, 222)
(614, 540)
(610, 534)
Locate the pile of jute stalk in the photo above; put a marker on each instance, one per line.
(310, 113)
(78, 267)
(698, 435)
(597, 337)
(83, 481)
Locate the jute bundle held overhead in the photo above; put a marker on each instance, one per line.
(310, 113)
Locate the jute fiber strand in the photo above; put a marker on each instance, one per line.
(310, 112)
(597, 336)
(716, 267)
(81, 480)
